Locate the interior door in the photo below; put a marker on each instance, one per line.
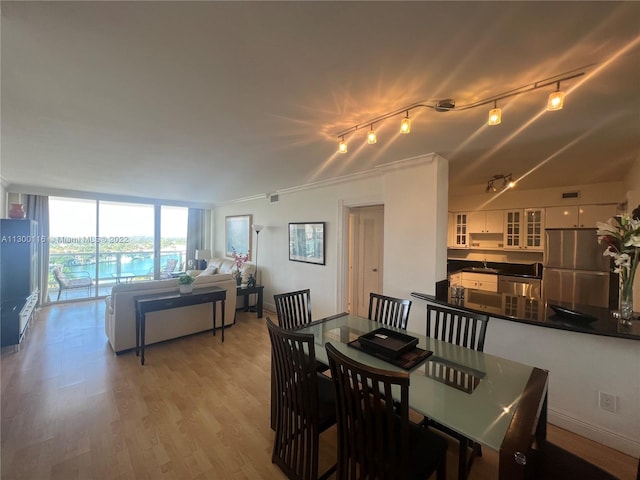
(366, 256)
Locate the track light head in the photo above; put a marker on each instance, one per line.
(495, 115)
(342, 146)
(405, 124)
(371, 136)
(556, 100)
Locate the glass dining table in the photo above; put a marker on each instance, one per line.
(491, 400)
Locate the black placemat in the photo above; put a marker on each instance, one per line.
(407, 360)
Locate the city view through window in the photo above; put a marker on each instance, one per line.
(112, 242)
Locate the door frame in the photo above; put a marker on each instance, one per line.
(342, 254)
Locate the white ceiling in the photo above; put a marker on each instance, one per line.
(214, 101)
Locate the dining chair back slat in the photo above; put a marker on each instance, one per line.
(305, 403)
(375, 437)
(389, 310)
(293, 308)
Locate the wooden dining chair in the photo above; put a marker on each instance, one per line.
(467, 330)
(375, 437)
(305, 403)
(293, 308)
(389, 311)
(294, 311)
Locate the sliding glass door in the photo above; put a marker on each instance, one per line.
(112, 243)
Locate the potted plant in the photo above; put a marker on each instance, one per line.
(185, 282)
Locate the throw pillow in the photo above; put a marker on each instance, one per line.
(210, 270)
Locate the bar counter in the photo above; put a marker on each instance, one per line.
(536, 311)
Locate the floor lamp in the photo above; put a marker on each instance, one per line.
(257, 229)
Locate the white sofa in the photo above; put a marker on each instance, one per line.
(219, 265)
(120, 316)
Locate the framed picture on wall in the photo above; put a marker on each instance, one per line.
(237, 234)
(306, 242)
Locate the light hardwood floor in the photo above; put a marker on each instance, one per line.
(198, 409)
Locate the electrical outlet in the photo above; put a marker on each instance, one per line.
(608, 402)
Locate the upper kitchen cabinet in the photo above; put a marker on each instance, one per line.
(524, 229)
(458, 230)
(488, 221)
(578, 216)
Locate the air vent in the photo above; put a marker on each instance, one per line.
(274, 198)
(570, 194)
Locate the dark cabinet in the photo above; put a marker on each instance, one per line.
(18, 276)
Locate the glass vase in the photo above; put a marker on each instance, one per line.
(626, 302)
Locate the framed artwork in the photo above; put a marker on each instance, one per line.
(306, 242)
(237, 234)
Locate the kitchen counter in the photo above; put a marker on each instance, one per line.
(496, 268)
(535, 311)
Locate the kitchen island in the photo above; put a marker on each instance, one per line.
(536, 311)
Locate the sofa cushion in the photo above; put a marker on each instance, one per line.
(210, 270)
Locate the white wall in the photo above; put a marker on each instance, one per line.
(414, 194)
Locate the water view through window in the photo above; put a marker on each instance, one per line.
(114, 242)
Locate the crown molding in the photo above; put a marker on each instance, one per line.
(376, 171)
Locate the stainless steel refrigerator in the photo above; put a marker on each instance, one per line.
(575, 269)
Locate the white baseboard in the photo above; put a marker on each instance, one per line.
(597, 434)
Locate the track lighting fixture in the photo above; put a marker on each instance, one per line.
(405, 125)
(342, 146)
(371, 136)
(495, 115)
(556, 100)
(507, 182)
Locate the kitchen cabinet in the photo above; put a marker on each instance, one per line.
(455, 278)
(572, 216)
(524, 229)
(480, 281)
(459, 234)
(488, 302)
(485, 221)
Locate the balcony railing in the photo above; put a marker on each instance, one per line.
(109, 270)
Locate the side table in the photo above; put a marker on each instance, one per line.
(245, 291)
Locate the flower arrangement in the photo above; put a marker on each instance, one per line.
(621, 235)
(239, 260)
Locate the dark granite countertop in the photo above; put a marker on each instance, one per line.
(533, 270)
(536, 311)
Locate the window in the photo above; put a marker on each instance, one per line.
(114, 242)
